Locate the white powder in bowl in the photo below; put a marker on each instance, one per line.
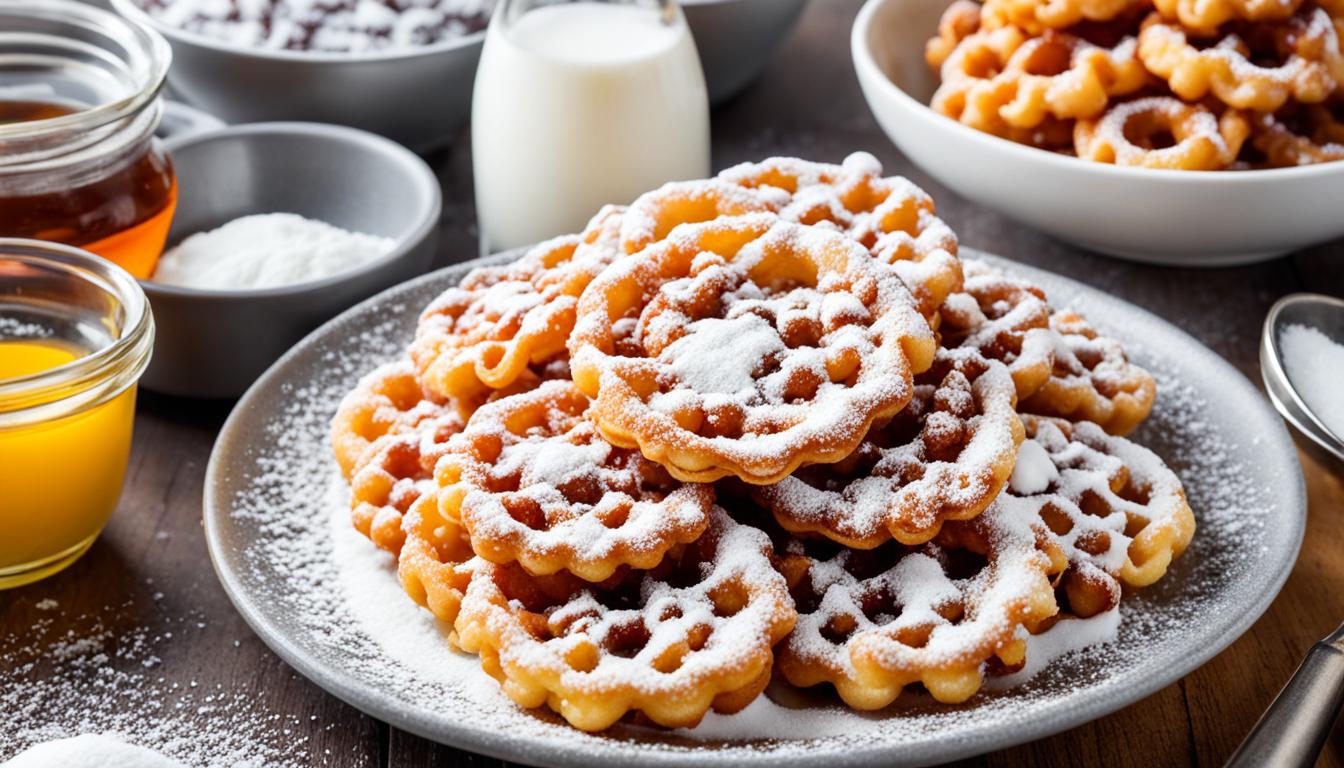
(1315, 365)
(265, 251)
(90, 751)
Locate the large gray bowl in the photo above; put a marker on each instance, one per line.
(215, 343)
(419, 97)
(736, 38)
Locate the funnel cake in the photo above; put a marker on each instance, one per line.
(1005, 318)
(436, 561)
(387, 436)
(1037, 16)
(387, 399)
(959, 21)
(1310, 134)
(944, 457)
(872, 622)
(532, 481)
(999, 81)
(890, 216)
(747, 346)
(1061, 366)
(1206, 16)
(483, 334)
(695, 633)
(1092, 379)
(1298, 58)
(1110, 504)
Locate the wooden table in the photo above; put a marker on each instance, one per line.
(807, 104)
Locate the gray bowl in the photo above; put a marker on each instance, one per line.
(419, 97)
(215, 343)
(736, 39)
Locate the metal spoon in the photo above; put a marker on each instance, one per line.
(1292, 730)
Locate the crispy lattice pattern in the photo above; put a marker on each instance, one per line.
(532, 481)
(944, 457)
(1107, 511)
(485, 333)
(1092, 379)
(1005, 318)
(695, 633)
(747, 346)
(387, 399)
(1259, 69)
(387, 435)
(436, 561)
(1002, 82)
(872, 622)
(1110, 483)
(890, 216)
(1059, 363)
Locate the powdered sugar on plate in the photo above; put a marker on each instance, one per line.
(330, 602)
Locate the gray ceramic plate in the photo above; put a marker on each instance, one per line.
(274, 529)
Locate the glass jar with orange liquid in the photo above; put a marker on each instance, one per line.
(79, 102)
(75, 334)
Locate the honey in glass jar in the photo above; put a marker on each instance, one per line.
(79, 103)
(76, 333)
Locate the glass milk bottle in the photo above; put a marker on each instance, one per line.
(579, 104)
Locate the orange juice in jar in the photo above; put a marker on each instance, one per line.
(75, 335)
(79, 103)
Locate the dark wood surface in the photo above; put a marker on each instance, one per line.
(152, 560)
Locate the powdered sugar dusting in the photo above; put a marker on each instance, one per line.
(280, 507)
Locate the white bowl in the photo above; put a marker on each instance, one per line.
(419, 96)
(1185, 218)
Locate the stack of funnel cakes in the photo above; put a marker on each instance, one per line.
(765, 426)
(1182, 84)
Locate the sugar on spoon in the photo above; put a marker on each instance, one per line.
(1291, 732)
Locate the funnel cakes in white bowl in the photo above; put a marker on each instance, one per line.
(1050, 80)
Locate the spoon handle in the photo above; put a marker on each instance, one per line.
(1291, 732)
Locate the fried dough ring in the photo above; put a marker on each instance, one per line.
(1124, 135)
(828, 337)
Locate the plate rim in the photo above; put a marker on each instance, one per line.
(482, 740)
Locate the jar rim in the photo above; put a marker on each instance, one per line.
(151, 50)
(119, 363)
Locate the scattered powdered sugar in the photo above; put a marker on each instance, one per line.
(112, 684)
(1314, 363)
(336, 597)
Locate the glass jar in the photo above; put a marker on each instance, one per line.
(75, 334)
(79, 102)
